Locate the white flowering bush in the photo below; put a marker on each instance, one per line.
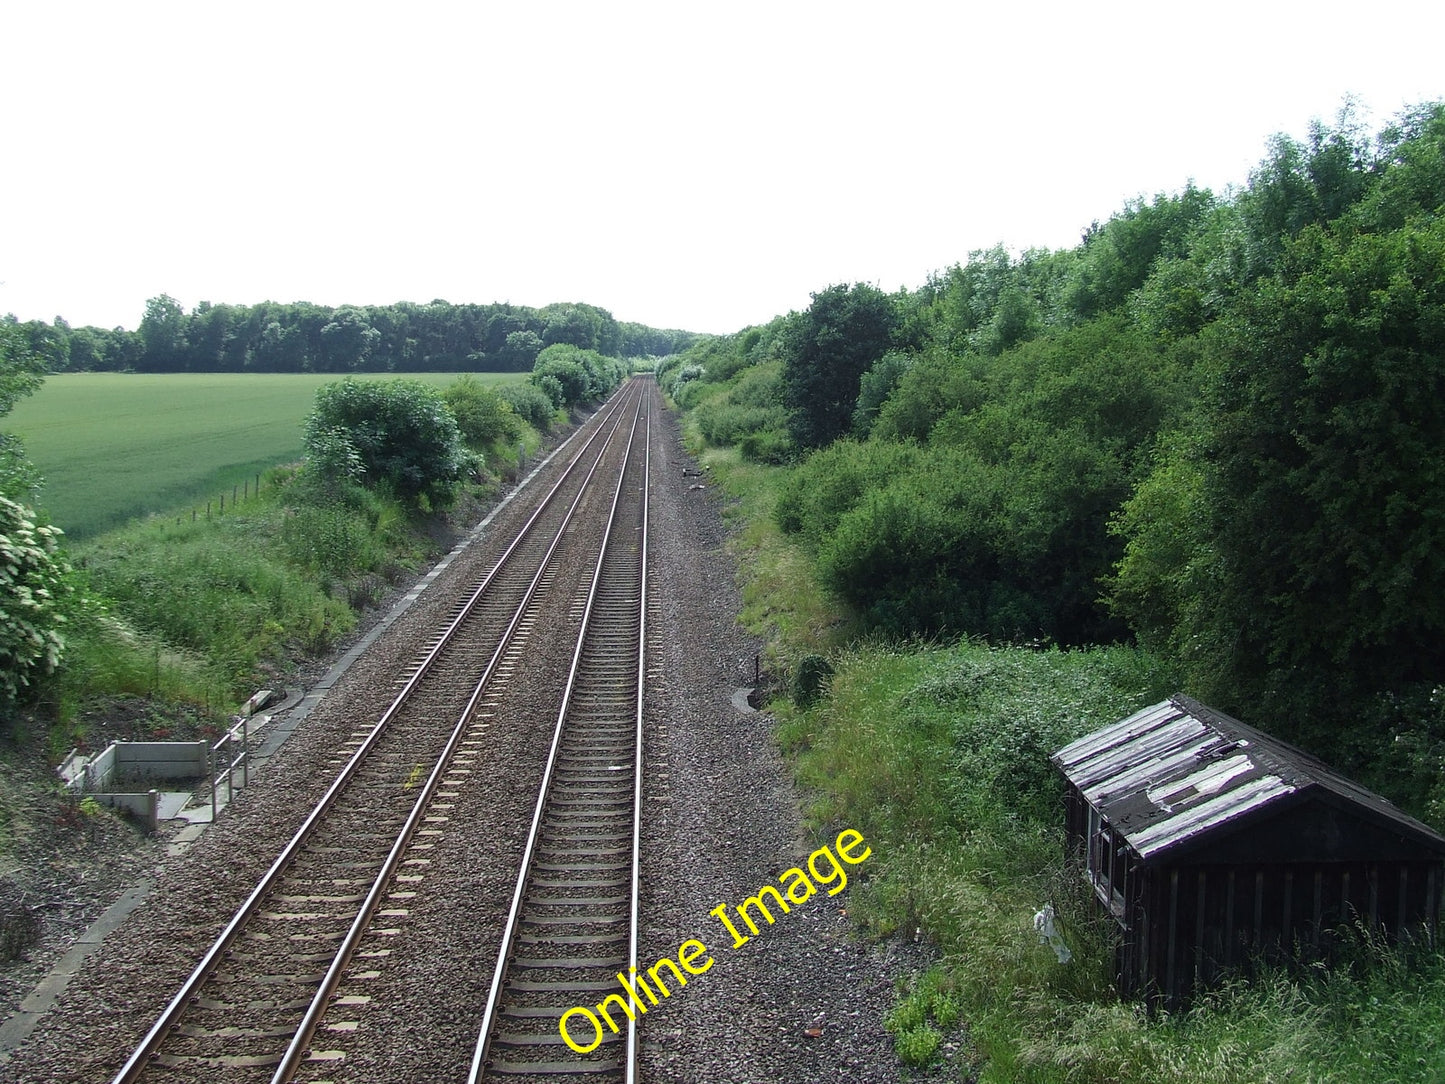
(33, 590)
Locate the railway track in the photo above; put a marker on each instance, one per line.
(572, 929)
(249, 1009)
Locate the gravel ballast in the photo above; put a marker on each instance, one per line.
(801, 1000)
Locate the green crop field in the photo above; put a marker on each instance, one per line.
(114, 446)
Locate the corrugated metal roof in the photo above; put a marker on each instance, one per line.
(1170, 773)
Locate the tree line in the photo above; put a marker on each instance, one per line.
(303, 337)
(1214, 426)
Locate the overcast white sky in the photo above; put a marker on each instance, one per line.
(683, 165)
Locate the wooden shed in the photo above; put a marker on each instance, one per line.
(1213, 844)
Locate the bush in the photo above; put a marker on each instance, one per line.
(564, 381)
(751, 405)
(773, 446)
(33, 593)
(531, 404)
(875, 386)
(400, 430)
(833, 481)
(482, 415)
(581, 375)
(685, 376)
(953, 546)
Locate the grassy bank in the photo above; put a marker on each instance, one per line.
(184, 617)
(939, 754)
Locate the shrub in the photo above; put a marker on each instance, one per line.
(582, 375)
(833, 481)
(751, 404)
(564, 380)
(400, 430)
(531, 404)
(482, 415)
(875, 386)
(685, 376)
(773, 446)
(33, 593)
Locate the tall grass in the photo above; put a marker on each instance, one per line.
(201, 613)
(107, 659)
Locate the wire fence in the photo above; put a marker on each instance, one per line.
(240, 492)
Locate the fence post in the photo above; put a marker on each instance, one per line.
(211, 756)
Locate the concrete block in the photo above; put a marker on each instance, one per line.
(150, 760)
(258, 701)
(101, 768)
(144, 807)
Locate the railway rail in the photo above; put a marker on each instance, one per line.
(573, 923)
(248, 1010)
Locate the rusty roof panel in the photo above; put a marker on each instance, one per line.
(1174, 771)
(1188, 821)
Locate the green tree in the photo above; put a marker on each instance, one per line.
(209, 335)
(21, 374)
(875, 386)
(1327, 483)
(21, 371)
(400, 432)
(163, 331)
(1117, 258)
(1291, 551)
(519, 351)
(826, 350)
(348, 342)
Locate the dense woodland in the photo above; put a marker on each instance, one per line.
(1213, 427)
(304, 338)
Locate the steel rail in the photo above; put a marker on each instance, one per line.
(631, 1064)
(297, 1048)
(499, 975)
(140, 1058)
